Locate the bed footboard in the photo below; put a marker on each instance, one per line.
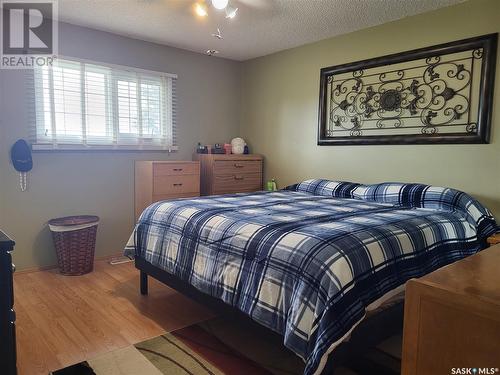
(369, 332)
(144, 283)
(147, 269)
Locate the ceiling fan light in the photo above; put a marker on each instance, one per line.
(231, 12)
(201, 9)
(219, 4)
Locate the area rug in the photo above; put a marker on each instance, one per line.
(222, 346)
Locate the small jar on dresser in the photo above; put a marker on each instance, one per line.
(7, 314)
(226, 174)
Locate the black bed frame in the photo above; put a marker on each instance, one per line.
(366, 335)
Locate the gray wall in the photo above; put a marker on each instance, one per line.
(101, 183)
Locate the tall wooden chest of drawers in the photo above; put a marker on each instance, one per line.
(226, 174)
(160, 180)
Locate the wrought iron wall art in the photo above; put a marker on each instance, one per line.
(440, 94)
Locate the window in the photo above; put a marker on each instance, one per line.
(82, 105)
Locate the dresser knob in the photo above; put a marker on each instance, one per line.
(177, 184)
(177, 169)
(11, 314)
(238, 165)
(13, 268)
(239, 177)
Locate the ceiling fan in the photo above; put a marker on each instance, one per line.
(201, 8)
(229, 6)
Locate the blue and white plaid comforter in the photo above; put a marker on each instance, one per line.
(308, 261)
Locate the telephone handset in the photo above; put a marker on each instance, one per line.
(22, 161)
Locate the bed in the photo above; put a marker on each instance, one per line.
(311, 261)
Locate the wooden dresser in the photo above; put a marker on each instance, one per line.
(226, 174)
(160, 180)
(452, 318)
(7, 314)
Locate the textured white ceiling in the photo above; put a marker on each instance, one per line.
(260, 28)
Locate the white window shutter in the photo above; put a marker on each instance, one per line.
(86, 105)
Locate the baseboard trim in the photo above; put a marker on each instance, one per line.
(54, 266)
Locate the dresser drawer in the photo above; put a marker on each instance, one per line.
(225, 167)
(169, 185)
(164, 197)
(227, 174)
(235, 183)
(175, 169)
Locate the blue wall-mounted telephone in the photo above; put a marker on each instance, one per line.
(22, 161)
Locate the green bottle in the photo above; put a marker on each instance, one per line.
(271, 185)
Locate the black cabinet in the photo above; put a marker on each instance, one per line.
(7, 314)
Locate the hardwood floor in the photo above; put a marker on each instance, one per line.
(62, 320)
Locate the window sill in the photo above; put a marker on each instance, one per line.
(68, 147)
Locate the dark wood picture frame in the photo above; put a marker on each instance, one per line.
(488, 43)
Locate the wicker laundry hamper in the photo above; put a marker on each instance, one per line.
(74, 240)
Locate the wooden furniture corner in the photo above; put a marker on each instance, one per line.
(452, 317)
(494, 239)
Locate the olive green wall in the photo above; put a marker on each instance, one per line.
(279, 110)
(102, 183)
